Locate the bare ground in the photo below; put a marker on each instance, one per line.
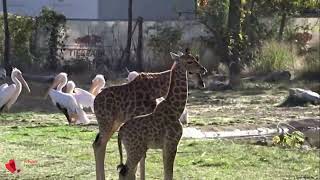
(254, 105)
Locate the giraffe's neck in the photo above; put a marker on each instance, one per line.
(157, 83)
(178, 90)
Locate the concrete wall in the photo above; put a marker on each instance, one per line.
(109, 10)
(114, 36)
(148, 9)
(79, 9)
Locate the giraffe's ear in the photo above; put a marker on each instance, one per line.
(174, 56)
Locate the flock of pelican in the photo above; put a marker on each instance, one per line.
(70, 101)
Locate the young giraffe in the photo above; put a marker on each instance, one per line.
(161, 129)
(115, 105)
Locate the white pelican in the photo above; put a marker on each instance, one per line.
(83, 97)
(98, 83)
(132, 75)
(65, 101)
(9, 94)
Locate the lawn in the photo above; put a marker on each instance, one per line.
(50, 149)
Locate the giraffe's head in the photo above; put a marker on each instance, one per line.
(192, 65)
(196, 78)
(189, 62)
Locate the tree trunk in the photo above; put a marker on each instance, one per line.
(6, 53)
(34, 39)
(234, 27)
(52, 56)
(282, 25)
(127, 52)
(140, 45)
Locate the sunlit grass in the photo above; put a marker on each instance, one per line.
(50, 150)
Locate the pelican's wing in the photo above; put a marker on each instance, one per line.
(6, 94)
(3, 86)
(64, 100)
(84, 98)
(82, 118)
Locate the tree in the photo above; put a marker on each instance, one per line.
(223, 20)
(285, 9)
(55, 25)
(127, 52)
(235, 28)
(234, 31)
(6, 53)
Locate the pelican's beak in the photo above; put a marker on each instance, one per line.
(93, 87)
(23, 82)
(53, 85)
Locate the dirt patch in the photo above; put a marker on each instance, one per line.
(248, 108)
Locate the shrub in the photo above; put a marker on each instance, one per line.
(275, 56)
(290, 140)
(311, 64)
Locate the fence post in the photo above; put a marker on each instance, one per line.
(140, 45)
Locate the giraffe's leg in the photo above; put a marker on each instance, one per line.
(134, 155)
(169, 154)
(142, 167)
(99, 147)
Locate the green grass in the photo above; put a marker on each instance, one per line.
(59, 151)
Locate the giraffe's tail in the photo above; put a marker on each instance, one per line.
(122, 168)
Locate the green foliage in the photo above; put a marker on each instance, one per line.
(165, 39)
(274, 56)
(215, 15)
(224, 41)
(291, 7)
(20, 28)
(54, 24)
(311, 64)
(292, 140)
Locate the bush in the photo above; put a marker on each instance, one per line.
(275, 56)
(311, 64)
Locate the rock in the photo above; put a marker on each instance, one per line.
(218, 86)
(310, 128)
(300, 97)
(261, 142)
(312, 137)
(278, 76)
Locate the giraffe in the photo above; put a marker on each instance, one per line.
(161, 129)
(115, 105)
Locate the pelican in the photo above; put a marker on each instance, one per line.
(83, 97)
(97, 85)
(9, 94)
(66, 102)
(132, 75)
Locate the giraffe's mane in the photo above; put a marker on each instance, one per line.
(144, 75)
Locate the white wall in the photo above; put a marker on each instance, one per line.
(78, 9)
